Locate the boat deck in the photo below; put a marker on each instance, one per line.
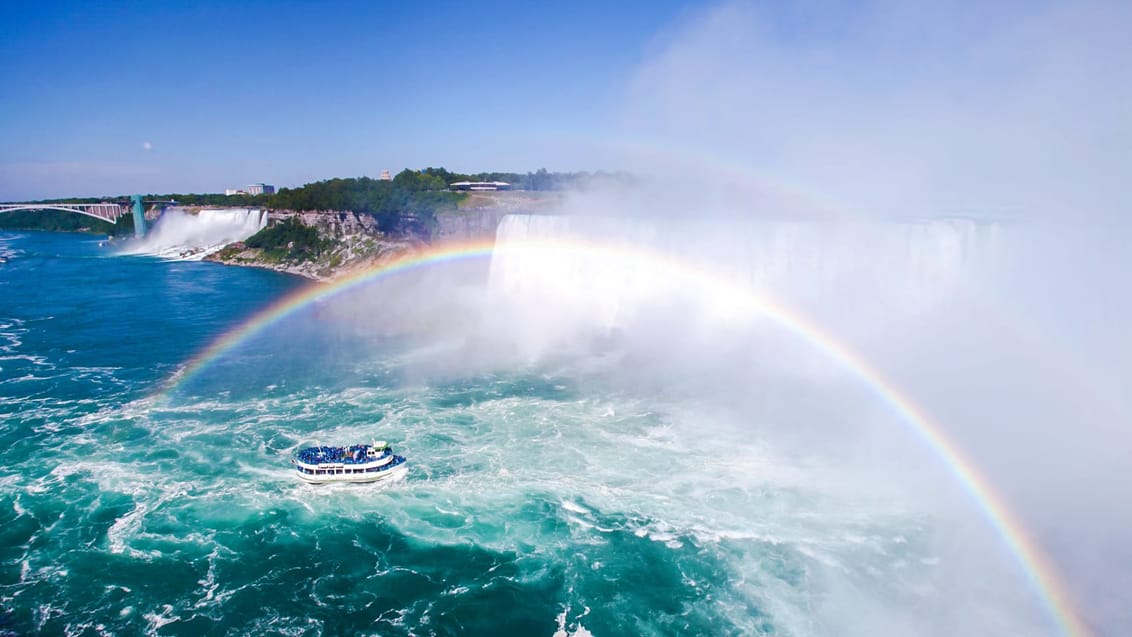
(354, 454)
(355, 463)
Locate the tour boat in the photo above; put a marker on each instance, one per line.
(356, 463)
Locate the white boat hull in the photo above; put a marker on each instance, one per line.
(356, 478)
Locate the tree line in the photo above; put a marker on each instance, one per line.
(406, 204)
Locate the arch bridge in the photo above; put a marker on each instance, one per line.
(105, 211)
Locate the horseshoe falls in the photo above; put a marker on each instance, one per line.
(596, 446)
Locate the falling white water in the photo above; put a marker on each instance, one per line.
(184, 235)
(859, 268)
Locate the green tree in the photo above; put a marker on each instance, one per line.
(289, 239)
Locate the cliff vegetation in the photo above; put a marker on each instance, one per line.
(289, 240)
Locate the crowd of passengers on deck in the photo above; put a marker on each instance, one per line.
(354, 454)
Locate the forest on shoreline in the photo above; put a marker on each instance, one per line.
(407, 204)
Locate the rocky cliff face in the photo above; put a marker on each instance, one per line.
(332, 223)
(468, 226)
(355, 243)
(479, 214)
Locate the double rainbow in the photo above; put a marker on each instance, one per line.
(1039, 571)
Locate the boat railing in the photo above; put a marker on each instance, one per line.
(342, 469)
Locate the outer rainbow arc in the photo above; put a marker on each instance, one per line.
(1035, 564)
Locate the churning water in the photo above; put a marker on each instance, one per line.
(623, 471)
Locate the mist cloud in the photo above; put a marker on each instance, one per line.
(777, 147)
(953, 108)
(1014, 115)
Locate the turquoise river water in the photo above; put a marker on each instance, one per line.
(542, 498)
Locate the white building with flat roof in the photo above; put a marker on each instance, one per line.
(479, 185)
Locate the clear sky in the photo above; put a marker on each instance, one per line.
(857, 106)
(116, 97)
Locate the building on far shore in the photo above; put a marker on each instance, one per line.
(251, 189)
(479, 185)
(385, 176)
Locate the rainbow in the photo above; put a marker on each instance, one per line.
(1039, 571)
(313, 293)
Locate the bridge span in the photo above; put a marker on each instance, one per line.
(105, 211)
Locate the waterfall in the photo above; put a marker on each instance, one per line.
(181, 234)
(860, 270)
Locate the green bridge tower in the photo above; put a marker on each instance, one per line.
(139, 216)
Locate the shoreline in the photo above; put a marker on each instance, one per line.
(344, 259)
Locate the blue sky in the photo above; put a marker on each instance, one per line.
(103, 98)
(857, 107)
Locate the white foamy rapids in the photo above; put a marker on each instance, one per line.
(180, 234)
(565, 479)
(6, 250)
